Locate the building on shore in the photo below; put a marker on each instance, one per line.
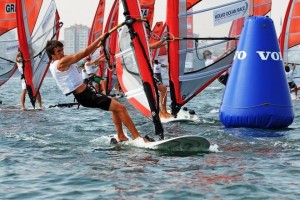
(75, 38)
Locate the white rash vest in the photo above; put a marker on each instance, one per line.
(90, 69)
(157, 68)
(67, 81)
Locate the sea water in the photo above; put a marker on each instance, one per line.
(63, 153)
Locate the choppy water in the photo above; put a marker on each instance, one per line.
(51, 154)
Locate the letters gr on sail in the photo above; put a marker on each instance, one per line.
(134, 69)
(38, 22)
(289, 39)
(8, 39)
(189, 74)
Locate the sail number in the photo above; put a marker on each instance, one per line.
(10, 8)
(264, 55)
(144, 12)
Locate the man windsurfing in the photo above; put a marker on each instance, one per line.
(69, 80)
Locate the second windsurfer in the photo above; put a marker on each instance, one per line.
(20, 60)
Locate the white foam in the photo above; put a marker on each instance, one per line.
(214, 111)
(214, 148)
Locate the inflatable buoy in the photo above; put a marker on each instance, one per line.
(257, 93)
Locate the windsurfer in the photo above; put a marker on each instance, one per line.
(85, 76)
(158, 78)
(290, 78)
(91, 68)
(68, 79)
(20, 60)
(210, 59)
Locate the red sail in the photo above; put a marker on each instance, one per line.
(7, 15)
(97, 26)
(134, 67)
(96, 31)
(8, 39)
(27, 9)
(261, 7)
(34, 30)
(147, 9)
(191, 3)
(290, 34)
(111, 43)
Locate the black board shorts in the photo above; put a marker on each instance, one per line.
(158, 78)
(292, 85)
(88, 98)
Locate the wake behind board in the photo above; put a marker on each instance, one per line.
(187, 143)
(184, 115)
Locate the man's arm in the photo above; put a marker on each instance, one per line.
(65, 63)
(221, 55)
(157, 44)
(294, 66)
(97, 60)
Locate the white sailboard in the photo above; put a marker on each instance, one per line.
(187, 143)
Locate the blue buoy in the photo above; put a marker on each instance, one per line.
(257, 93)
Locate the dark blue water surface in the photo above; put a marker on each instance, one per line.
(50, 154)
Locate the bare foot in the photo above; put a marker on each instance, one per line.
(165, 115)
(141, 138)
(23, 108)
(123, 138)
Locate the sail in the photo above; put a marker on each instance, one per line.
(147, 9)
(188, 73)
(134, 69)
(96, 31)
(289, 39)
(191, 3)
(98, 22)
(8, 40)
(110, 45)
(260, 7)
(35, 28)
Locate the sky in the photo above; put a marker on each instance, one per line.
(80, 12)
